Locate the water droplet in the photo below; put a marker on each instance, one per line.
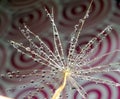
(2, 75)
(32, 81)
(10, 76)
(35, 71)
(28, 48)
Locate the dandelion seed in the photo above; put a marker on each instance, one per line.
(59, 67)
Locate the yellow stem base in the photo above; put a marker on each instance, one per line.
(60, 89)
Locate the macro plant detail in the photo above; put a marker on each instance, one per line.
(71, 67)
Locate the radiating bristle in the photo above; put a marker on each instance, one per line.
(58, 68)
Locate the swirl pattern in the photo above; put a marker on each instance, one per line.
(4, 22)
(21, 62)
(73, 11)
(101, 91)
(34, 17)
(116, 14)
(13, 13)
(3, 55)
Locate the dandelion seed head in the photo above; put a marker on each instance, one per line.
(58, 67)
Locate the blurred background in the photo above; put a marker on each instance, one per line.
(13, 13)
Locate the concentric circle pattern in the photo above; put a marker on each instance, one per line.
(101, 91)
(4, 22)
(72, 11)
(18, 4)
(3, 55)
(116, 14)
(33, 15)
(31, 80)
(22, 62)
(30, 92)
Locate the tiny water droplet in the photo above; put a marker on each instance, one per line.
(28, 48)
(32, 81)
(2, 75)
(35, 71)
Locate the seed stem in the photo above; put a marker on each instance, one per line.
(60, 89)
